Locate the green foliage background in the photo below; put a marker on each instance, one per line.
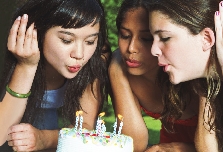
(111, 9)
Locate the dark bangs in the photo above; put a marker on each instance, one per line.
(76, 14)
(66, 13)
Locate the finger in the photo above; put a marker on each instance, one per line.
(21, 148)
(16, 143)
(221, 11)
(21, 33)
(13, 34)
(17, 136)
(19, 128)
(34, 41)
(218, 27)
(28, 39)
(22, 145)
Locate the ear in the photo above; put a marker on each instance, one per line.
(208, 38)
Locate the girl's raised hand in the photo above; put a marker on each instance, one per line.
(23, 43)
(219, 34)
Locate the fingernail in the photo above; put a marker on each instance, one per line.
(18, 18)
(217, 13)
(24, 16)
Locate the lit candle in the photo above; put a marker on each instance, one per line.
(81, 122)
(103, 128)
(77, 121)
(115, 127)
(121, 124)
(98, 125)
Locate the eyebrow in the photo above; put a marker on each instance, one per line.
(147, 30)
(72, 34)
(160, 31)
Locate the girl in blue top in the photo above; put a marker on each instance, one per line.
(56, 57)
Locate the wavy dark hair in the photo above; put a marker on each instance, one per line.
(195, 16)
(67, 14)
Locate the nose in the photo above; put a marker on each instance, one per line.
(77, 52)
(133, 48)
(155, 50)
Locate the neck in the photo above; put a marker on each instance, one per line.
(54, 80)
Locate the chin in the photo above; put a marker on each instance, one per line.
(135, 72)
(70, 76)
(173, 80)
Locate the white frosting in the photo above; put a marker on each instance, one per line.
(71, 140)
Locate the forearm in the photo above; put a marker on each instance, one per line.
(126, 105)
(49, 138)
(134, 124)
(12, 108)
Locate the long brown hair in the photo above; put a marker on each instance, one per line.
(195, 16)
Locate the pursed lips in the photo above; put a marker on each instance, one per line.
(165, 66)
(74, 69)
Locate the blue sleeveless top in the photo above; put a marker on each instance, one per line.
(52, 100)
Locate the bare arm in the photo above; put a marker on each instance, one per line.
(90, 103)
(25, 48)
(126, 104)
(205, 140)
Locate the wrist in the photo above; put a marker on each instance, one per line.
(17, 95)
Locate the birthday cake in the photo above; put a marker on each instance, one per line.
(78, 139)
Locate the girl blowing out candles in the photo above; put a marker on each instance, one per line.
(184, 43)
(56, 59)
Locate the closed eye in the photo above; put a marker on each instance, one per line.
(66, 41)
(165, 39)
(124, 36)
(90, 42)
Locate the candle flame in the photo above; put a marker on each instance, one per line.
(79, 113)
(102, 114)
(120, 117)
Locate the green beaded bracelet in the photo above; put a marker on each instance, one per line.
(17, 95)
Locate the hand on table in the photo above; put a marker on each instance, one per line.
(25, 137)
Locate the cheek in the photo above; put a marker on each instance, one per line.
(89, 52)
(173, 52)
(123, 45)
(53, 52)
(50, 47)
